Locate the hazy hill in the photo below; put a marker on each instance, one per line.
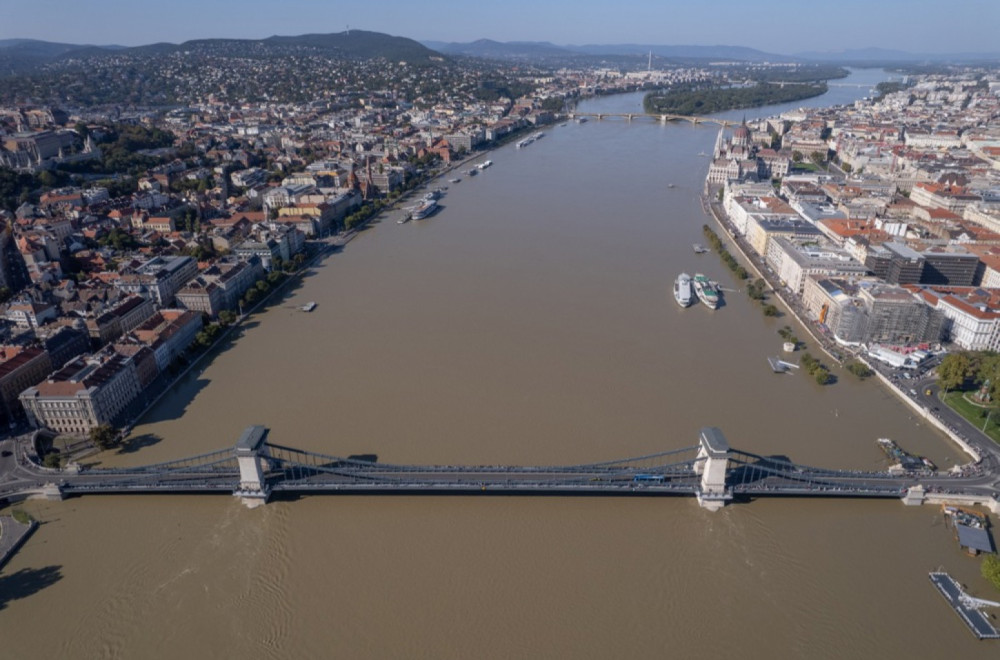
(740, 53)
(888, 55)
(20, 55)
(500, 50)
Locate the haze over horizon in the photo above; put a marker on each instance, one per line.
(776, 26)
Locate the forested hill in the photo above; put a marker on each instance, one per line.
(28, 55)
(289, 69)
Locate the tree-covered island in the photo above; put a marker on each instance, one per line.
(699, 100)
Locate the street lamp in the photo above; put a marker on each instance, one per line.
(987, 419)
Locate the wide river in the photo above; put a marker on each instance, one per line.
(530, 321)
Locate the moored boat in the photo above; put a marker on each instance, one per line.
(309, 306)
(426, 207)
(483, 165)
(682, 290)
(706, 291)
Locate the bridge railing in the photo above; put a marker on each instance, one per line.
(289, 455)
(756, 460)
(222, 459)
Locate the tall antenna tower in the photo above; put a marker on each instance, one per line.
(649, 66)
(348, 30)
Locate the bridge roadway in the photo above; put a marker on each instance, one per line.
(663, 117)
(259, 469)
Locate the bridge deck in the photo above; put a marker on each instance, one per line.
(286, 469)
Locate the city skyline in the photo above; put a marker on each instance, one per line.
(776, 26)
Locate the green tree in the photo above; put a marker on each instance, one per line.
(991, 569)
(227, 317)
(104, 436)
(822, 376)
(859, 369)
(52, 460)
(954, 370)
(796, 156)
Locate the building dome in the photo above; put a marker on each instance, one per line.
(741, 136)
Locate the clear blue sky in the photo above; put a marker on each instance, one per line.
(780, 26)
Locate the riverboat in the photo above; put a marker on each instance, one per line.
(706, 291)
(483, 165)
(425, 209)
(309, 306)
(682, 290)
(700, 249)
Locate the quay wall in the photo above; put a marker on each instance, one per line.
(925, 413)
(963, 500)
(12, 536)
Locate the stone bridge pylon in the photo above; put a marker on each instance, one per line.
(714, 449)
(251, 452)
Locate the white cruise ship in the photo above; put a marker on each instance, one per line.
(682, 290)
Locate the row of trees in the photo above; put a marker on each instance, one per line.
(756, 289)
(817, 369)
(727, 258)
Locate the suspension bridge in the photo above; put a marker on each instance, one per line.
(711, 471)
(660, 117)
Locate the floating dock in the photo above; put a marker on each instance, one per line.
(967, 607)
(700, 249)
(972, 529)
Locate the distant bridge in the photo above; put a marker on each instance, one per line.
(711, 471)
(828, 84)
(662, 117)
